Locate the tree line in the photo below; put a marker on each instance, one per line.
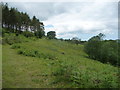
(20, 23)
(17, 22)
(106, 51)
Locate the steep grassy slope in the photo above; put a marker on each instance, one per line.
(53, 63)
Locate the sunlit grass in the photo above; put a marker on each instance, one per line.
(31, 69)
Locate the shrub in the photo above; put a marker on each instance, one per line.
(92, 48)
(27, 52)
(51, 34)
(34, 53)
(63, 71)
(84, 77)
(39, 33)
(20, 51)
(109, 52)
(28, 34)
(16, 46)
(11, 39)
(104, 51)
(3, 31)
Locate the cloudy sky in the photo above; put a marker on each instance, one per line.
(74, 19)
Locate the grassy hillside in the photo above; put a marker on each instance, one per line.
(46, 63)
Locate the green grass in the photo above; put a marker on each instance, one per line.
(0, 66)
(54, 64)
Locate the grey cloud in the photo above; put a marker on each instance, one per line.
(45, 10)
(65, 12)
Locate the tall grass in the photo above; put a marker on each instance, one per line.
(86, 77)
(68, 64)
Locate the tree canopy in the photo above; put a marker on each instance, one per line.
(51, 35)
(18, 22)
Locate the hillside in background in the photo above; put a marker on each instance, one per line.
(33, 59)
(44, 63)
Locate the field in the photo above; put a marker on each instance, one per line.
(43, 63)
(43, 47)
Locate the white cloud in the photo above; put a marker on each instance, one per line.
(86, 18)
(80, 17)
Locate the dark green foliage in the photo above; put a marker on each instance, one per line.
(109, 52)
(13, 19)
(63, 72)
(15, 46)
(28, 34)
(11, 38)
(27, 53)
(82, 78)
(104, 51)
(93, 47)
(17, 22)
(5, 15)
(39, 33)
(2, 32)
(33, 53)
(51, 34)
(76, 40)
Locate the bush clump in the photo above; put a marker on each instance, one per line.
(28, 34)
(15, 46)
(85, 78)
(27, 52)
(34, 53)
(11, 39)
(105, 51)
